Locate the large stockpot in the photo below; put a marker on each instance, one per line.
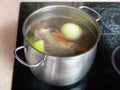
(56, 70)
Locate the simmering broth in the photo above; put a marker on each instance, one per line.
(46, 37)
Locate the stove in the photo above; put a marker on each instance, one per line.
(102, 74)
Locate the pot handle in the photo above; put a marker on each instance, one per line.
(85, 7)
(23, 62)
(113, 59)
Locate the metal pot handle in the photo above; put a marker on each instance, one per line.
(113, 59)
(23, 62)
(85, 7)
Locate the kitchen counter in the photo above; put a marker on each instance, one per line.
(8, 28)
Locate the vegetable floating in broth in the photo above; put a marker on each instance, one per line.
(39, 45)
(71, 31)
(60, 37)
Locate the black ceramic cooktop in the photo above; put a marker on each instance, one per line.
(101, 76)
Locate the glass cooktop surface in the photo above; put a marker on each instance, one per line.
(101, 76)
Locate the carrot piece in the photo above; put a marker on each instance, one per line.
(59, 38)
(81, 49)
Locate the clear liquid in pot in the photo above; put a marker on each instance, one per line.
(55, 44)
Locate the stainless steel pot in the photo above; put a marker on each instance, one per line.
(56, 70)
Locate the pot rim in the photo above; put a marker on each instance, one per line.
(62, 6)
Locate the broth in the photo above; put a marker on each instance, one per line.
(53, 41)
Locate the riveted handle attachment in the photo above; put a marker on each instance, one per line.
(85, 7)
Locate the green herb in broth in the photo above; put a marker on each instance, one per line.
(30, 37)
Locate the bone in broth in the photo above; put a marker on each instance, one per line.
(60, 36)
